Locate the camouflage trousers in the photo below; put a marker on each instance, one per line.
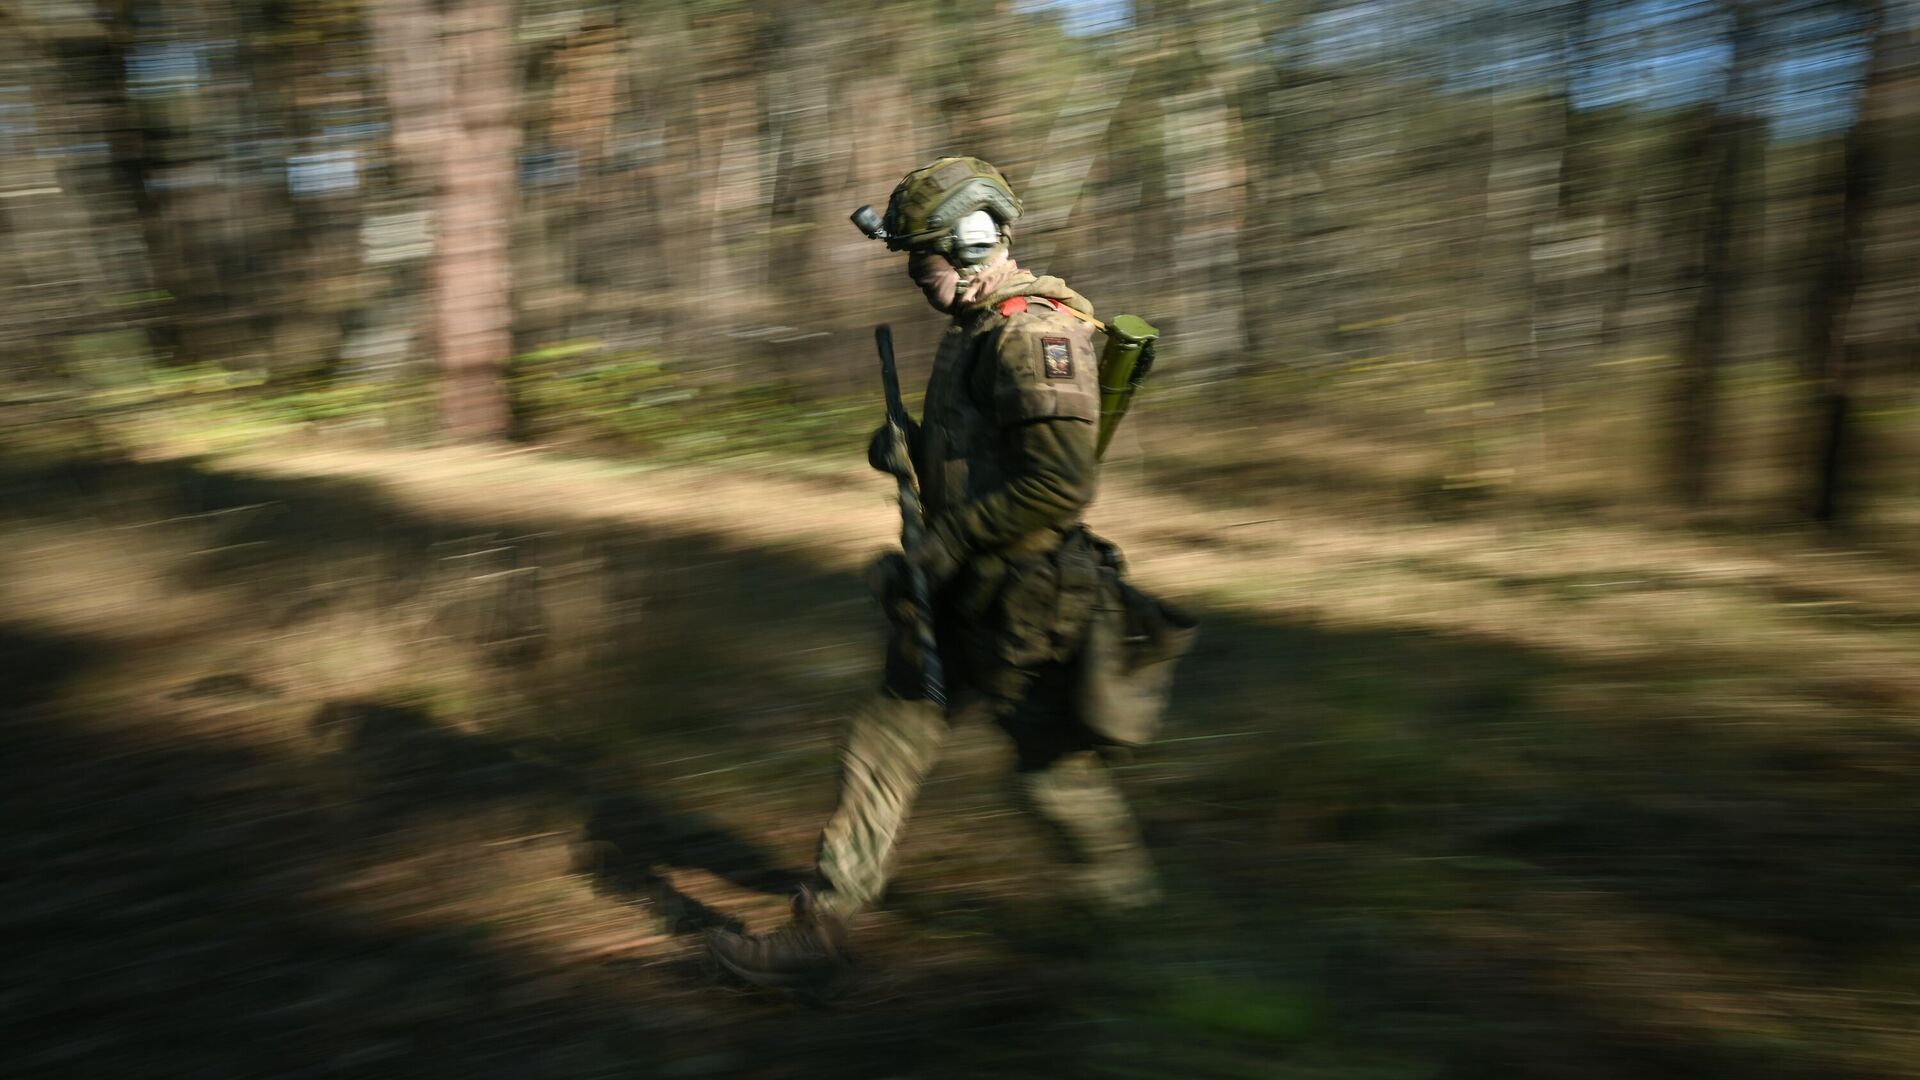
(1059, 777)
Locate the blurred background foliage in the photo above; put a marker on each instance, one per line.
(1500, 758)
(1661, 248)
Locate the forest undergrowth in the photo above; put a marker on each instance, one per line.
(329, 759)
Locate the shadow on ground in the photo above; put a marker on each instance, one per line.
(1389, 854)
(406, 766)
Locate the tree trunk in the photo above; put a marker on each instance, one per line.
(1829, 363)
(1722, 147)
(1621, 253)
(453, 84)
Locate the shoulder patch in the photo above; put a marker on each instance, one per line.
(1056, 355)
(1013, 305)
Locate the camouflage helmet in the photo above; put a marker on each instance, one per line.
(932, 199)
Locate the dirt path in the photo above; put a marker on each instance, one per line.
(428, 763)
(1642, 593)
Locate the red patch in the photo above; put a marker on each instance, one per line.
(1056, 353)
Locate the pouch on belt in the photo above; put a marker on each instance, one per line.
(1133, 643)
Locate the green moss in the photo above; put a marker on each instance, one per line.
(1239, 1009)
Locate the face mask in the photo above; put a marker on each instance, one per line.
(938, 280)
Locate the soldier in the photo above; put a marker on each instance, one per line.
(1005, 454)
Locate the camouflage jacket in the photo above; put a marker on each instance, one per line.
(1005, 450)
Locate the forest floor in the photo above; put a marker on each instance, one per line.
(325, 761)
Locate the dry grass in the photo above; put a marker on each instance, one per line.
(459, 748)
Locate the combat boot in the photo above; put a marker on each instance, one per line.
(806, 950)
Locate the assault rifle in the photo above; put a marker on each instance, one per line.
(913, 522)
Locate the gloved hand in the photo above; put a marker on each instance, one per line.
(935, 558)
(880, 449)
